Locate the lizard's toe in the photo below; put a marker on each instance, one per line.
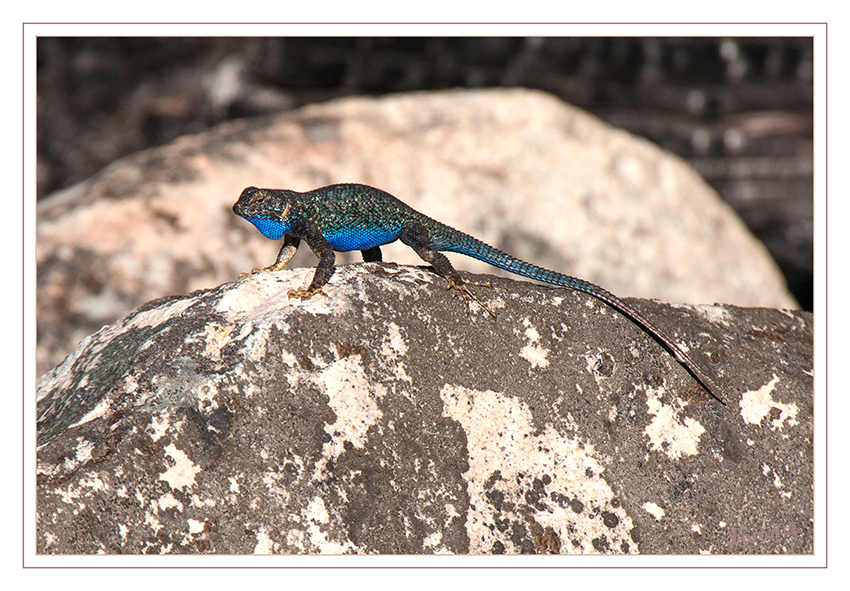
(305, 293)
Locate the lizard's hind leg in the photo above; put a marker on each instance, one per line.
(417, 238)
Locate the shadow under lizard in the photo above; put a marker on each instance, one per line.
(350, 217)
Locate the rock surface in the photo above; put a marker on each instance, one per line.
(519, 169)
(384, 419)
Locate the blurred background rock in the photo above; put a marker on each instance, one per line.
(739, 110)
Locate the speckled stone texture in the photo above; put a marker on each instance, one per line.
(384, 419)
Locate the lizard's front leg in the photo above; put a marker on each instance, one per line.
(323, 249)
(287, 251)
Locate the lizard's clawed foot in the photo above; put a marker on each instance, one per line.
(467, 294)
(305, 293)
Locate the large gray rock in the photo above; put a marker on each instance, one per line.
(384, 419)
(519, 169)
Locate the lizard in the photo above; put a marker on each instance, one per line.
(347, 217)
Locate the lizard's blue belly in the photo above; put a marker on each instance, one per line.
(340, 241)
(344, 241)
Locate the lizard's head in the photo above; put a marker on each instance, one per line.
(269, 204)
(267, 209)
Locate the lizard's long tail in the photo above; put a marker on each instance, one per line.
(469, 246)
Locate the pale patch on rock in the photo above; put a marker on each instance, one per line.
(317, 519)
(98, 411)
(167, 501)
(352, 397)
(182, 473)
(264, 545)
(216, 337)
(654, 510)
(195, 526)
(509, 455)
(713, 313)
(757, 404)
(536, 355)
(393, 347)
(667, 432)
